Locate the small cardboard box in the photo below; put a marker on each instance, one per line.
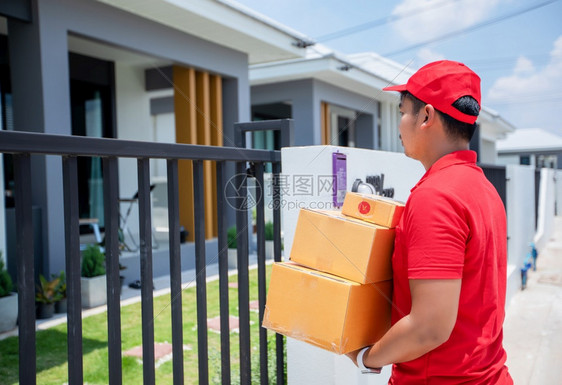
(324, 310)
(350, 248)
(373, 208)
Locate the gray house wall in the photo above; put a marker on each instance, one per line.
(300, 94)
(306, 97)
(40, 84)
(367, 108)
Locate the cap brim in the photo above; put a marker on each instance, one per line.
(399, 88)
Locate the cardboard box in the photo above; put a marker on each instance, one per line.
(373, 208)
(324, 310)
(350, 248)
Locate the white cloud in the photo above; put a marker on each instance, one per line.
(434, 18)
(426, 55)
(526, 96)
(523, 66)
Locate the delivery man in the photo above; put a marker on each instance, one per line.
(449, 261)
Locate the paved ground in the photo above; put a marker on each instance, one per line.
(533, 325)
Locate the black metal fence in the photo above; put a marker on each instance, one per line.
(497, 176)
(537, 194)
(247, 162)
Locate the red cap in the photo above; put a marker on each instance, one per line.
(442, 83)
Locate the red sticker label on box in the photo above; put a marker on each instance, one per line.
(364, 207)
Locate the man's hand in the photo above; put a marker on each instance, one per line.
(358, 358)
(432, 318)
(353, 355)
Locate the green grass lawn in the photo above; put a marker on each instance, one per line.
(52, 349)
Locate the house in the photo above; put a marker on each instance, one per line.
(337, 99)
(333, 99)
(174, 71)
(531, 146)
(155, 71)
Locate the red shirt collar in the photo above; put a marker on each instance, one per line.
(457, 157)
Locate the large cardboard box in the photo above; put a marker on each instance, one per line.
(373, 208)
(324, 310)
(350, 248)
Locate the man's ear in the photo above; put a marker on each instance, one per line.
(429, 115)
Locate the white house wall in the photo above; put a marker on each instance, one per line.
(487, 151)
(133, 120)
(520, 191)
(558, 191)
(164, 126)
(307, 364)
(133, 123)
(545, 221)
(390, 122)
(505, 160)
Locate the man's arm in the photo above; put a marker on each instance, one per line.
(435, 304)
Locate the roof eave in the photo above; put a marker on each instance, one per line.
(332, 69)
(224, 23)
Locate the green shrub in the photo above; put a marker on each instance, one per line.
(47, 290)
(61, 287)
(93, 262)
(255, 362)
(269, 231)
(6, 284)
(231, 236)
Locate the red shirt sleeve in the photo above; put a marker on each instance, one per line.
(436, 235)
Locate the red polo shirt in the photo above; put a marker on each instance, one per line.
(454, 227)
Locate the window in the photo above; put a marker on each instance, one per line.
(547, 161)
(341, 128)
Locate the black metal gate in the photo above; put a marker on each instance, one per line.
(247, 162)
(497, 176)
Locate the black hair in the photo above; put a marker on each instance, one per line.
(455, 128)
(417, 104)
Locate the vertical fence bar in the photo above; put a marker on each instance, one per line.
(111, 217)
(223, 274)
(201, 272)
(260, 220)
(276, 168)
(537, 195)
(72, 246)
(286, 128)
(147, 305)
(243, 274)
(26, 271)
(175, 270)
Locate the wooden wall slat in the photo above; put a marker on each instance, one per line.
(186, 132)
(325, 123)
(204, 135)
(216, 138)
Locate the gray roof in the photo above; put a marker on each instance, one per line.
(393, 72)
(529, 140)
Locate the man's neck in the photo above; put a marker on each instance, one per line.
(442, 150)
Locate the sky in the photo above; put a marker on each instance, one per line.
(514, 45)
